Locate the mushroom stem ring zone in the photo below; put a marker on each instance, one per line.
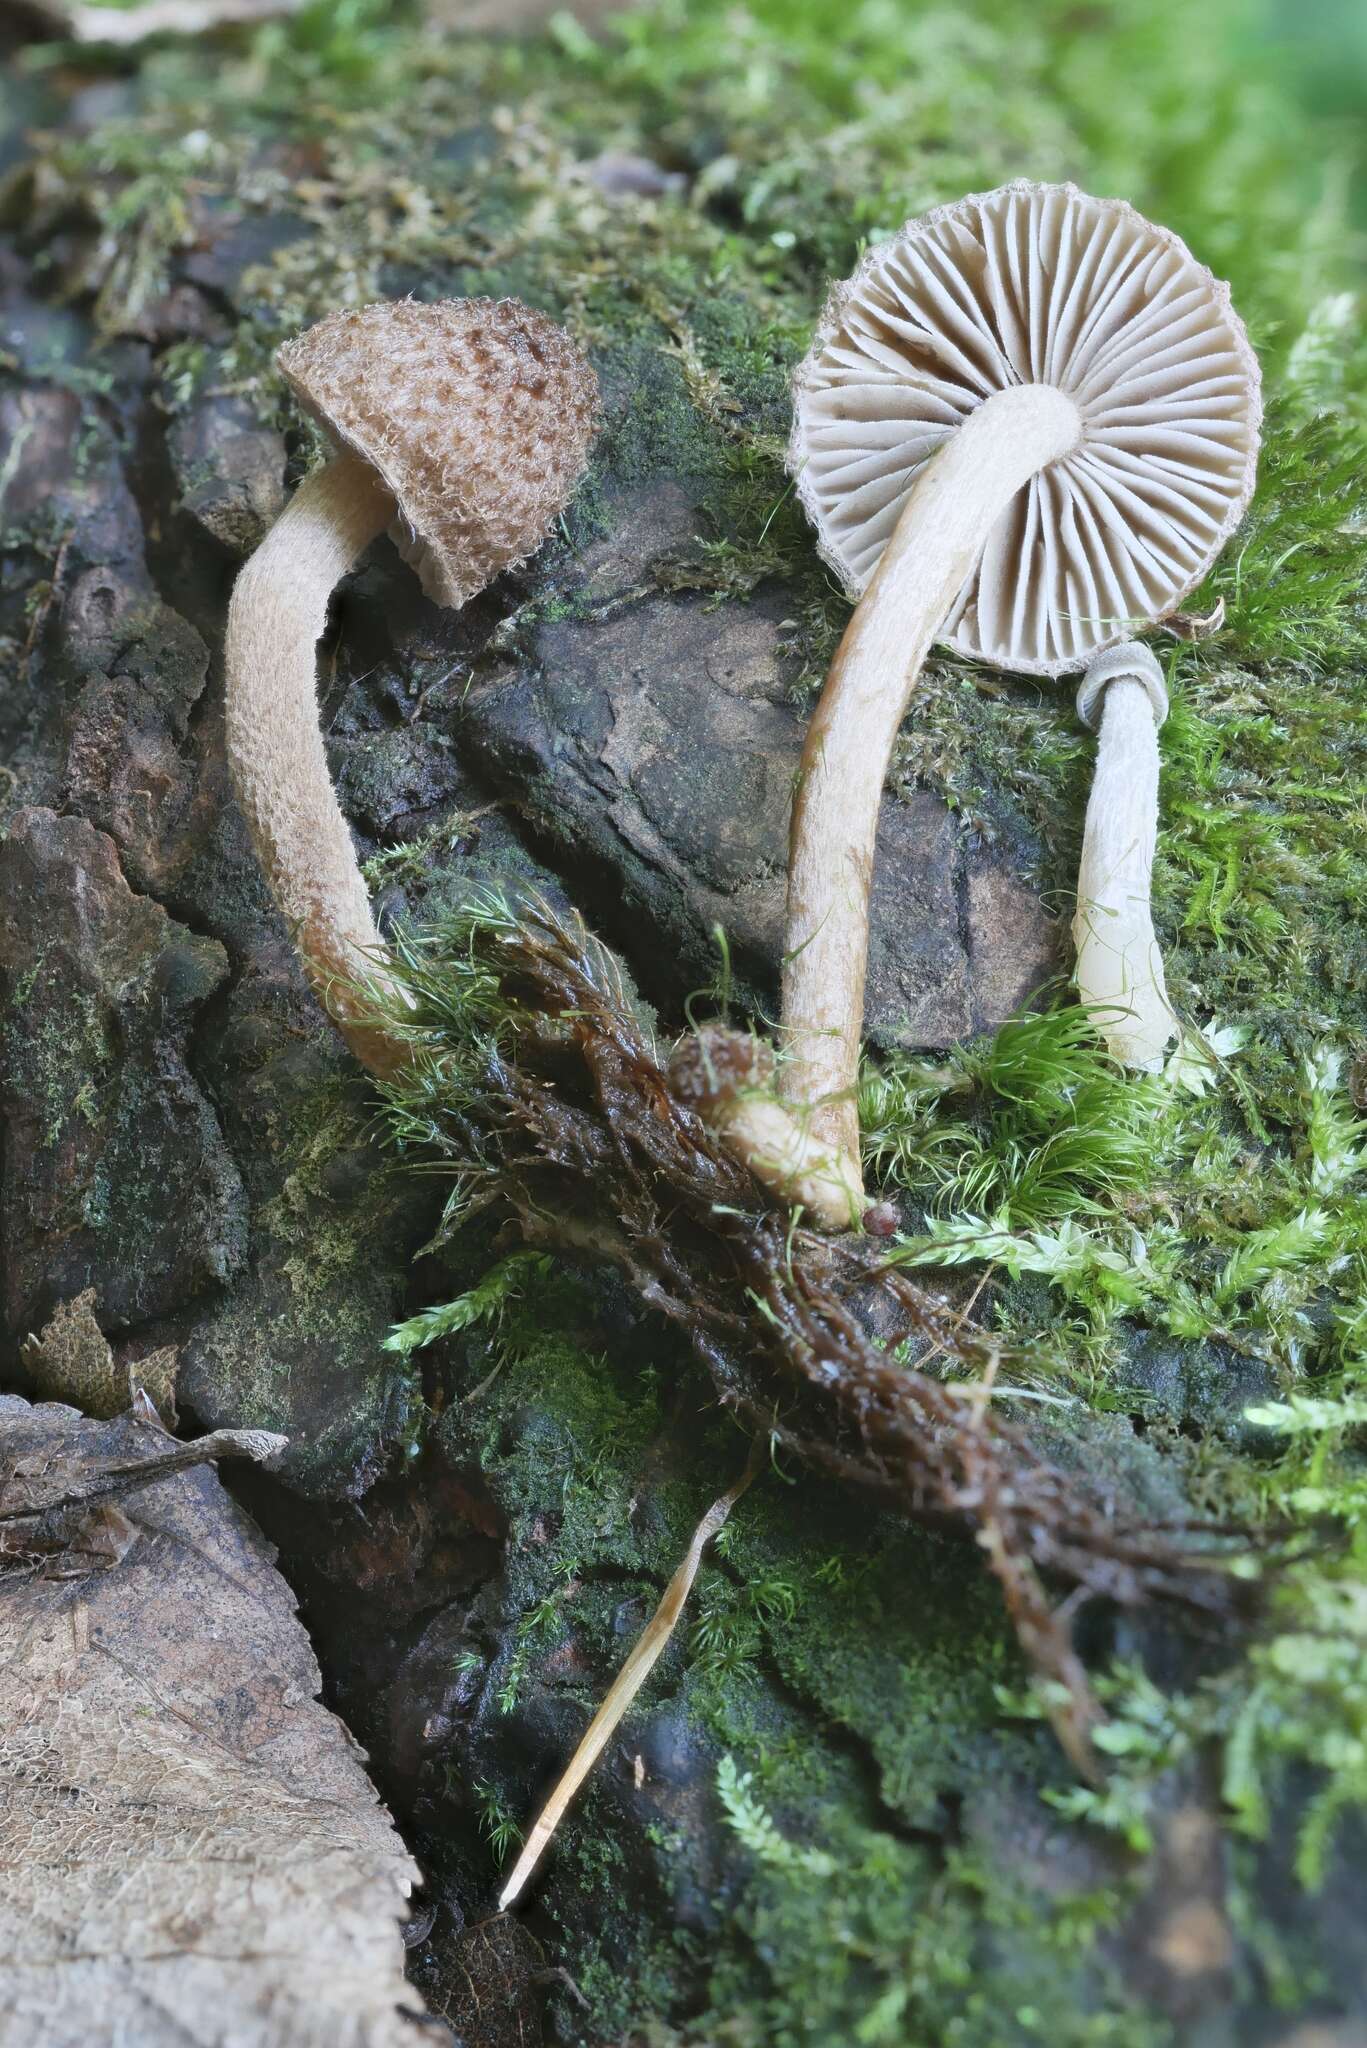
(1026, 427)
(936, 543)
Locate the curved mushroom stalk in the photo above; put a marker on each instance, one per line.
(280, 772)
(937, 542)
(1027, 421)
(463, 427)
(1119, 966)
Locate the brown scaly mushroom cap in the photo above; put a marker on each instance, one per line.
(1036, 285)
(478, 414)
(463, 427)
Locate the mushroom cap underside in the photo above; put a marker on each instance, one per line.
(478, 414)
(1036, 284)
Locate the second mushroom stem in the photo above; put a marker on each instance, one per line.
(276, 617)
(1119, 966)
(937, 542)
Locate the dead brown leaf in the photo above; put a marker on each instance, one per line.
(70, 1360)
(190, 1850)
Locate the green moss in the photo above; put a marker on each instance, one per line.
(854, 1686)
(562, 1426)
(61, 1042)
(877, 1753)
(892, 1948)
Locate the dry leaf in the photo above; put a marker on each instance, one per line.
(1196, 625)
(70, 1360)
(153, 1377)
(190, 1849)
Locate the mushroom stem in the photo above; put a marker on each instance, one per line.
(275, 750)
(1119, 965)
(946, 523)
(727, 1078)
(781, 1155)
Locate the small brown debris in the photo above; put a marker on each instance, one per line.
(71, 1360)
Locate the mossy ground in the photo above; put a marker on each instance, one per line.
(298, 1345)
(841, 1693)
(795, 133)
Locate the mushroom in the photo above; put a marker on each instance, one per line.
(1123, 698)
(727, 1078)
(463, 427)
(1028, 422)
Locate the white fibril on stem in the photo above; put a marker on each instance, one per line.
(1027, 425)
(463, 427)
(1119, 972)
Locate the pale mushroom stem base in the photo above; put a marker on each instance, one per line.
(1119, 965)
(280, 773)
(782, 1156)
(726, 1078)
(938, 540)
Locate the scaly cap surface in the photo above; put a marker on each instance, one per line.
(477, 413)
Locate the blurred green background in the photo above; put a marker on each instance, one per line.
(1318, 47)
(1324, 45)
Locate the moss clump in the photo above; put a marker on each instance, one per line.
(882, 1945)
(833, 1713)
(67, 1046)
(1228, 1233)
(298, 1344)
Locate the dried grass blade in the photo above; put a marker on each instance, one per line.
(628, 1682)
